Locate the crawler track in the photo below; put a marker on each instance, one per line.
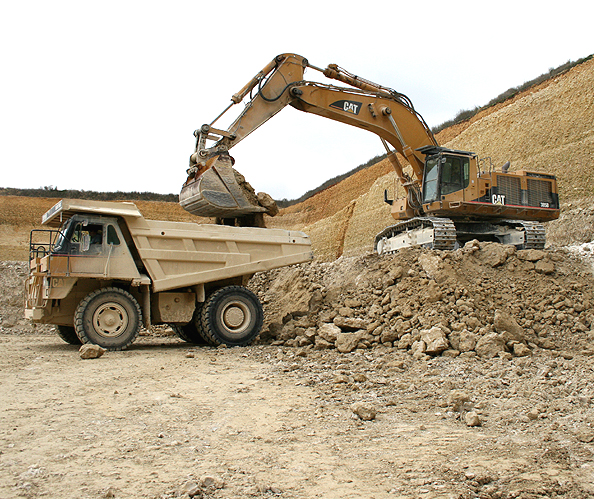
(443, 237)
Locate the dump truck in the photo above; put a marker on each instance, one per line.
(101, 271)
(450, 196)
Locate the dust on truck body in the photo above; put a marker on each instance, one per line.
(103, 270)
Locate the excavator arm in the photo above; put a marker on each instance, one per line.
(212, 189)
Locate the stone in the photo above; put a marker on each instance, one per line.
(521, 350)
(352, 303)
(508, 327)
(90, 351)
(433, 292)
(347, 342)
(533, 414)
(322, 344)
(350, 323)
(467, 341)
(435, 341)
(190, 489)
(430, 263)
(489, 345)
(389, 336)
(329, 332)
(545, 267)
(405, 342)
(363, 411)
(495, 254)
(267, 202)
(315, 302)
(346, 312)
(531, 255)
(418, 347)
(458, 400)
(472, 419)
(212, 482)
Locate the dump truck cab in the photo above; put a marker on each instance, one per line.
(102, 271)
(89, 245)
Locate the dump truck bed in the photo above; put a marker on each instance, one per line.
(184, 254)
(178, 254)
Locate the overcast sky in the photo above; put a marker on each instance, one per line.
(105, 95)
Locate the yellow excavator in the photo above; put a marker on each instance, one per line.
(451, 196)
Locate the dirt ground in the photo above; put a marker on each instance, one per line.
(293, 419)
(264, 421)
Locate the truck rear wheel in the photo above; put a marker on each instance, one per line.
(68, 334)
(192, 331)
(108, 317)
(232, 316)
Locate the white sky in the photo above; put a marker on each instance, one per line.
(105, 95)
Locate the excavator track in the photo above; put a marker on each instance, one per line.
(534, 233)
(428, 232)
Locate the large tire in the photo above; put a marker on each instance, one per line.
(108, 317)
(192, 331)
(232, 316)
(68, 334)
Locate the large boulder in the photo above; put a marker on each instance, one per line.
(490, 345)
(347, 342)
(435, 341)
(507, 327)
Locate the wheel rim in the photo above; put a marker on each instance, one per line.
(236, 317)
(111, 319)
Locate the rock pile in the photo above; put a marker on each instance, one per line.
(484, 300)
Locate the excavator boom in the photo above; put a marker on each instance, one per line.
(211, 188)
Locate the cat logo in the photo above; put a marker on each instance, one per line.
(348, 106)
(498, 199)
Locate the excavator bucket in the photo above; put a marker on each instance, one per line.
(217, 193)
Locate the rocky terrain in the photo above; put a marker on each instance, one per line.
(422, 374)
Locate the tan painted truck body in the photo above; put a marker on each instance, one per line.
(170, 269)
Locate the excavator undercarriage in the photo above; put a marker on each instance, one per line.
(447, 234)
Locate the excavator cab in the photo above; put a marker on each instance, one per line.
(445, 173)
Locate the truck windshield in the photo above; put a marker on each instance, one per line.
(430, 191)
(62, 238)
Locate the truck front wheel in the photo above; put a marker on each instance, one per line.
(108, 317)
(232, 316)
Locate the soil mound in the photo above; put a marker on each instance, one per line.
(484, 299)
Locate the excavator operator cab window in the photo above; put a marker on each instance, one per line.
(444, 175)
(455, 174)
(430, 184)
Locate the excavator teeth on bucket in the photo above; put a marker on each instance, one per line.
(216, 193)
